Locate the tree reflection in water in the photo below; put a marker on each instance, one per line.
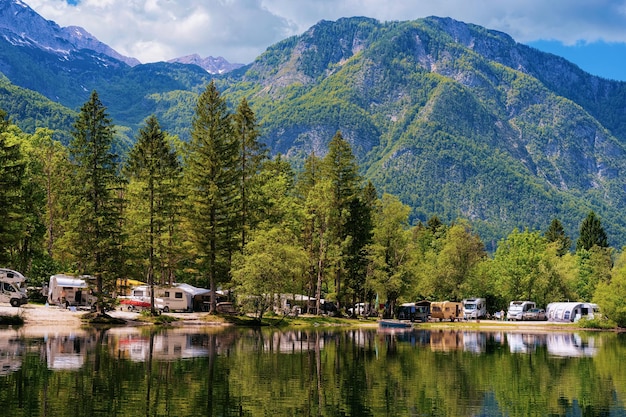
(215, 371)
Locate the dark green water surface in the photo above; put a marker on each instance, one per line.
(208, 371)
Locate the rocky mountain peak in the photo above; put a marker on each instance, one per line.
(22, 26)
(212, 65)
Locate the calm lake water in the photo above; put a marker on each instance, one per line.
(246, 372)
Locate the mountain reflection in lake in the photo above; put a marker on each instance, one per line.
(215, 371)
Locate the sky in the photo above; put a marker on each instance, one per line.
(590, 33)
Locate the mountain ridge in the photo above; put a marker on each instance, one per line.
(457, 120)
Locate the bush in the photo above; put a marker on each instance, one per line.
(597, 323)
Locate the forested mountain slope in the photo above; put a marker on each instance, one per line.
(455, 119)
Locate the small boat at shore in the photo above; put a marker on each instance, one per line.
(395, 324)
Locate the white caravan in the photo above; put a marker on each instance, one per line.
(67, 290)
(518, 308)
(12, 288)
(474, 308)
(571, 311)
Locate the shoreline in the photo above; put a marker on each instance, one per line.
(41, 318)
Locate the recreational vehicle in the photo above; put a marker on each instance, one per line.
(474, 308)
(446, 310)
(518, 308)
(68, 290)
(571, 311)
(419, 311)
(12, 287)
(184, 297)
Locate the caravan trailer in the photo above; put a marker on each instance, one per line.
(446, 310)
(419, 311)
(68, 290)
(11, 287)
(474, 308)
(518, 308)
(571, 311)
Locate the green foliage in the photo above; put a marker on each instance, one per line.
(591, 233)
(212, 176)
(93, 226)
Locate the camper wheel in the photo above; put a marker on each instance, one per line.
(15, 302)
(166, 309)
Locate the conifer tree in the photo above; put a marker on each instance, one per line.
(556, 234)
(94, 223)
(591, 233)
(341, 169)
(212, 176)
(251, 156)
(154, 165)
(12, 169)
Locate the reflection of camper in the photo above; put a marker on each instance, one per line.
(518, 308)
(474, 308)
(12, 287)
(69, 351)
(475, 342)
(12, 350)
(67, 290)
(446, 310)
(571, 345)
(446, 340)
(419, 311)
(571, 311)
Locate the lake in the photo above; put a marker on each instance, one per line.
(212, 371)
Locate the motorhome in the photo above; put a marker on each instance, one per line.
(571, 311)
(12, 287)
(518, 308)
(474, 308)
(446, 310)
(70, 291)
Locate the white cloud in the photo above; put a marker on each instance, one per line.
(239, 30)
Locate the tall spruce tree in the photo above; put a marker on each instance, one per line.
(212, 174)
(251, 156)
(12, 171)
(94, 224)
(591, 233)
(556, 234)
(341, 169)
(154, 165)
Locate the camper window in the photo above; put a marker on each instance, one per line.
(167, 294)
(178, 295)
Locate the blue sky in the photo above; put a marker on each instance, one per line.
(590, 33)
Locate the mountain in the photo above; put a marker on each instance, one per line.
(212, 65)
(457, 120)
(22, 26)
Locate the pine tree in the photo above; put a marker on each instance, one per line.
(591, 233)
(556, 234)
(154, 165)
(212, 175)
(341, 169)
(12, 171)
(251, 156)
(94, 223)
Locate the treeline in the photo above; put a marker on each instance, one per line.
(218, 212)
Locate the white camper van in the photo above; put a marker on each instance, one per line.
(518, 308)
(12, 288)
(474, 308)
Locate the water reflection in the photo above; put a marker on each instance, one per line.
(208, 371)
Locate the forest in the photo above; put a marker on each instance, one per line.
(217, 211)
